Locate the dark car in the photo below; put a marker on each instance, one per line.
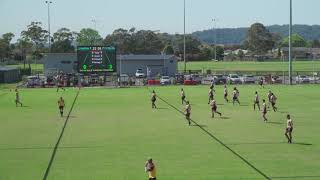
(179, 78)
(220, 79)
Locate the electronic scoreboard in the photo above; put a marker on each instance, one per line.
(96, 59)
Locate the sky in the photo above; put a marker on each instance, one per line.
(162, 15)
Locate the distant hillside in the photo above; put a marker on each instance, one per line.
(238, 35)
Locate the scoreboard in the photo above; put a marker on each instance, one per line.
(96, 59)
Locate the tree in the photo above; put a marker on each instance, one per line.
(259, 40)
(63, 39)
(88, 36)
(297, 41)
(315, 43)
(37, 36)
(5, 45)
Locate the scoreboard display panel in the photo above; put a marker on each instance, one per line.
(96, 59)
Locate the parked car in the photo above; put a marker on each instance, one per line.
(36, 81)
(220, 79)
(234, 79)
(140, 73)
(179, 78)
(124, 79)
(276, 80)
(196, 78)
(248, 79)
(165, 80)
(302, 79)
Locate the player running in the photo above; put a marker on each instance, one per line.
(214, 107)
(261, 82)
(256, 101)
(269, 98)
(273, 100)
(60, 82)
(61, 106)
(150, 168)
(236, 94)
(183, 96)
(17, 101)
(210, 94)
(264, 110)
(187, 112)
(289, 129)
(225, 93)
(153, 99)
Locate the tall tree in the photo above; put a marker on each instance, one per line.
(5, 45)
(297, 41)
(259, 40)
(88, 36)
(63, 40)
(37, 36)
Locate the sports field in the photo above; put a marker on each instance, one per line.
(111, 132)
(251, 66)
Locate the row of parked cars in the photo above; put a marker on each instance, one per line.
(235, 79)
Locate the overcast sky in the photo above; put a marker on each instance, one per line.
(163, 15)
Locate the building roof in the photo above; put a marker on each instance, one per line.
(145, 57)
(6, 68)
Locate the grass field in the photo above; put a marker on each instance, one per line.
(111, 132)
(251, 66)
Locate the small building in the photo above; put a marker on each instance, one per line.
(9, 75)
(151, 65)
(301, 52)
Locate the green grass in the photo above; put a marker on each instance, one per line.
(35, 67)
(251, 66)
(111, 132)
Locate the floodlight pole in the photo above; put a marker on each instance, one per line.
(48, 4)
(290, 45)
(184, 36)
(215, 37)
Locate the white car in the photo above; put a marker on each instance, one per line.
(246, 79)
(165, 80)
(302, 79)
(234, 79)
(140, 73)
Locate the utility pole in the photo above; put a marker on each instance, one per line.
(215, 37)
(290, 45)
(48, 4)
(184, 36)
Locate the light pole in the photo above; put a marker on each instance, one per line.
(184, 36)
(48, 4)
(290, 45)
(215, 37)
(94, 23)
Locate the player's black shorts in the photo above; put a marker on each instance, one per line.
(152, 178)
(289, 130)
(273, 104)
(214, 109)
(235, 98)
(61, 107)
(187, 115)
(225, 95)
(183, 97)
(211, 97)
(256, 102)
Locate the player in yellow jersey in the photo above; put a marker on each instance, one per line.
(61, 105)
(150, 168)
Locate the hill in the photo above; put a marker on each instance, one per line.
(238, 35)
